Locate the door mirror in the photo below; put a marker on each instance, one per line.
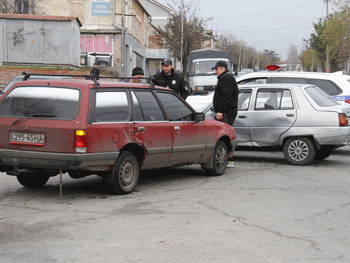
(200, 116)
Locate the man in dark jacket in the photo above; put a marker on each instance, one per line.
(95, 71)
(170, 79)
(226, 96)
(226, 93)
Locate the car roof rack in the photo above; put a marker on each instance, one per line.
(97, 84)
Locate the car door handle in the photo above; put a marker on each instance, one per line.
(242, 117)
(141, 129)
(290, 115)
(177, 128)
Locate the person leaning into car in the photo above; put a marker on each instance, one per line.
(226, 94)
(170, 79)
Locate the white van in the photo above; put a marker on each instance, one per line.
(202, 78)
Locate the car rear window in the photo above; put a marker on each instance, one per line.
(321, 98)
(51, 102)
(327, 86)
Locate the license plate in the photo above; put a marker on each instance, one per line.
(27, 138)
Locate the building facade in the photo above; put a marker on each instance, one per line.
(114, 32)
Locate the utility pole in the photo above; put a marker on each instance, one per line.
(122, 44)
(182, 31)
(327, 50)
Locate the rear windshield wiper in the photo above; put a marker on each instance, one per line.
(35, 115)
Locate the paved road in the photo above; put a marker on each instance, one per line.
(264, 210)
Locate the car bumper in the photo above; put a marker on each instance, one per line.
(234, 144)
(341, 137)
(55, 161)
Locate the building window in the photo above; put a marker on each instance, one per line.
(21, 7)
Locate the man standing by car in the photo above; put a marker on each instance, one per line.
(225, 97)
(170, 79)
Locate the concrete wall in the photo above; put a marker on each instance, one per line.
(40, 42)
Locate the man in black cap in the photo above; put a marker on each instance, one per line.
(170, 79)
(95, 71)
(137, 73)
(225, 97)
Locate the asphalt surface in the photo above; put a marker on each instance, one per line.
(263, 210)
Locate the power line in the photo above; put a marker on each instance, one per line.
(286, 9)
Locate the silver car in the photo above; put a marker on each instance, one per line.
(302, 120)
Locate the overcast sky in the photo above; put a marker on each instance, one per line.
(264, 24)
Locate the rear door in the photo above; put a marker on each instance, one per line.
(189, 136)
(274, 113)
(242, 121)
(152, 129)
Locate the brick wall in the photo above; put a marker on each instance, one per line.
(154, 42)
(8, 73)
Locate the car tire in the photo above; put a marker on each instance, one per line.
(33, 180)
(124, 175)
(324, 152)
(220, 156)
(299, 151)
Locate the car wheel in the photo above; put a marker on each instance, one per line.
(299, 151)
(33, 180)
(124, 175)
(219, 159)
(324, 152)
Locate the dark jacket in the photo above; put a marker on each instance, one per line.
(226, 93)
(175, 82)
(95, 72)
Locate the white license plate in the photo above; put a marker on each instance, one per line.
(19, 137)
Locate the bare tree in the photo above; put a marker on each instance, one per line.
(184, 31)
(293, 56)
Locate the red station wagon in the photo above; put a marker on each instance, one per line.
(109, 128)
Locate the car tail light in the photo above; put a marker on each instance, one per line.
(343, 121)
(347, 101)
(80, 141)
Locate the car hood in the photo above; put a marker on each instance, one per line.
(200, 102)
(206, 80)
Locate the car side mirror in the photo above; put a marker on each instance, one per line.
(200, 116)
(236, 72)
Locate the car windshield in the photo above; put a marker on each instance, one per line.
(202, 68)
(320, 97)
(51, 102)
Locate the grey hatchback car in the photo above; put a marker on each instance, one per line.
(302, 120)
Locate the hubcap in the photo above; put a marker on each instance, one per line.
(298, 150)
(127, 174)
(220, 158)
